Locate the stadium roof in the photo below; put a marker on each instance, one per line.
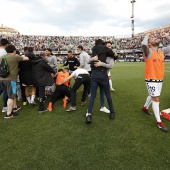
(7, 30)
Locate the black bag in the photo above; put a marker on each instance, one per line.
(4, 70)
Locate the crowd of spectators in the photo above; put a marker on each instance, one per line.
(135, 43)
(56, 43)
(65, 43)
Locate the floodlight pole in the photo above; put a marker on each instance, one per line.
(132, 17)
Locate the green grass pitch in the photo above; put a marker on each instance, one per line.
(61, 140)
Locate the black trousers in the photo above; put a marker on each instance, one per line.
(81, 79)
(41, 97)
(60, 91)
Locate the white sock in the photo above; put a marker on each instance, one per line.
(32, 98)
(148, 102)
(18, 91)
(28, 99)
(110, 83)
(155, 107)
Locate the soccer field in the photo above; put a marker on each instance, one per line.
(61, 140)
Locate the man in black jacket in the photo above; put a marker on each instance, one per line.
(42, 77)
(72, 62)
(99, 77)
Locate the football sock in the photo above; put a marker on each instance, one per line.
(110, 83)
(148, 102)
(18, 91)
(28, 99)
(155, 107)
(32, 98)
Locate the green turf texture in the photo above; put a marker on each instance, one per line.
(61, 140)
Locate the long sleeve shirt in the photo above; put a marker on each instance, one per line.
(84, 58)
(72, 62)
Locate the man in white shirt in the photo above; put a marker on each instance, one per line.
(81, 76)
(84, 58)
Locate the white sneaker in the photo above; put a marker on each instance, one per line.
(111, 89)
(104, 109)
(4, 109)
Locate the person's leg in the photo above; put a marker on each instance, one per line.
(33, 93)
(10, 104)
(11, 87)
(5, 98)
(27, 94)
(1, 90)
(154, 89)
(93, 91)
(102, 102)
(18, 91)
(77, 84)
(148, 102)
(55, 96)
(41, 97)
(102, 97)
(149, 86)
(146, 105)
(86, 83)
(104, 84)
(110, 83)
(24, 100)
(108, 96)
(155, 107)
(67, 94)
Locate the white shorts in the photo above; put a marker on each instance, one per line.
(154, 89)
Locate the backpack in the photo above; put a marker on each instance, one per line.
(4, 69)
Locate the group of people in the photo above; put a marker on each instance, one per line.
(56, 43)
(63, 43)
(91, 72)
(39, 75)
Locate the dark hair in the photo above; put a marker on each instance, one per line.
(10, 48)
(49, 49)
(108, 42)
(25, 48)
(99, 42)
(66, 68)
(60, 69)
(81, 47)
(4, 42)
(17, 52)
(30, 49)
(69, 51)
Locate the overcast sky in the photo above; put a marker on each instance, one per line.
(83, 17)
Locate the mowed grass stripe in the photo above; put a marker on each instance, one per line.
(61, 140)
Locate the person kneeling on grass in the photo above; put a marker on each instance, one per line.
(61, 90)
(81, 76)
(42, 76)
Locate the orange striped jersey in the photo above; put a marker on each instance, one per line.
(61, 76)
(154, 68)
